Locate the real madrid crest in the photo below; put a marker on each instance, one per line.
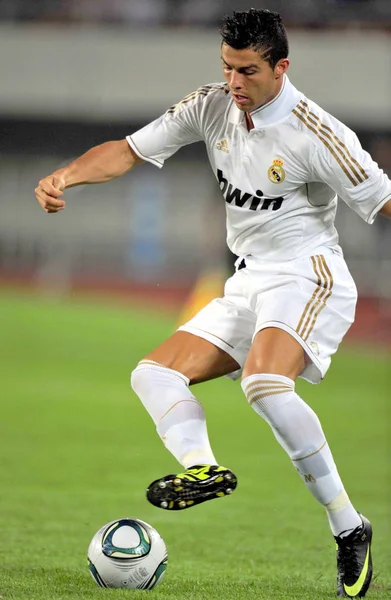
(276, 172)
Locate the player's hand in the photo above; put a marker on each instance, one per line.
(49, 193)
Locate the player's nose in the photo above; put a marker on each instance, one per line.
(236, 81)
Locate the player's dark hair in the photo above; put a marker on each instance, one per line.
(261, 30)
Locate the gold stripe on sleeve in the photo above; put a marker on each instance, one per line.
(202, 91)
(330, 148)
(303, 105)
(339, 145)
(356, 173)
(317, 123)
(360, 168)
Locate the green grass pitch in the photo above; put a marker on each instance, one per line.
(78, 450)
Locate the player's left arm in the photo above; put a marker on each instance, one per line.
(350, 171)
(386, 210)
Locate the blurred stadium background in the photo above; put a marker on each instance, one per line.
(77, 447)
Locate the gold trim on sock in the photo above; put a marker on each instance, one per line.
(308, 455)
(258, 397)
(176, 404)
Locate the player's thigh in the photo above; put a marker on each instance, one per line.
(193, 356)
(275, 351)
(215, 342)
(311, 301)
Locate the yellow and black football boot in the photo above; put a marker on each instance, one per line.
(354, 561)
(197, 484)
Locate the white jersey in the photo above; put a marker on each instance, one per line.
(280, 181)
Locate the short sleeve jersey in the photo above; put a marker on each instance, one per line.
(280, 180)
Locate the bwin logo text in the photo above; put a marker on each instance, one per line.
(238, 198)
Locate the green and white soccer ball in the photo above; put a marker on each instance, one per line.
(127, 553)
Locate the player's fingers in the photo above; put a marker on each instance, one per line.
(53, 210)
(44, 196)
(51, 186)
(50, 207)
(47, 202)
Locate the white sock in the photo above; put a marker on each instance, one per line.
(177, 414)
(298, 430)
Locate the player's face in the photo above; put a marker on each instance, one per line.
(252, 81)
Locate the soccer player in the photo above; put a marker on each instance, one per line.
(280, 161)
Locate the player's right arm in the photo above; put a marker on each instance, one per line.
(182, 124)
(99, 164)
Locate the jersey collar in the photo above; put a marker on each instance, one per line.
(272, 112)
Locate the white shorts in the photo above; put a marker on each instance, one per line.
(312, 298)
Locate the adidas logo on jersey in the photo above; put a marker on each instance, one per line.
(236, 197)
(223, 145)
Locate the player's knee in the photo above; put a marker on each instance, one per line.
(135, 377)
(149, 375)
(140, 377)
(275, 351)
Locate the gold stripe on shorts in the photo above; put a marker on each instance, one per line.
(352, 169)
(318, 300)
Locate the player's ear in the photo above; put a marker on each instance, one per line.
(281, 67)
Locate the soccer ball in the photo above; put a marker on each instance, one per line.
(127, 553)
